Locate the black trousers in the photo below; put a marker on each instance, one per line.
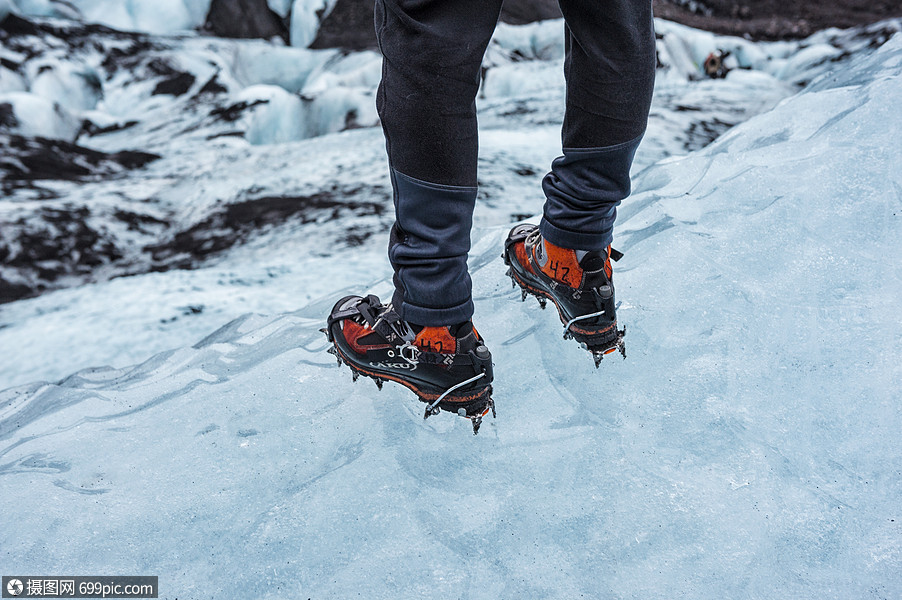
(432, 55)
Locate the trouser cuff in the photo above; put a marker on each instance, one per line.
(432, 317)
(582, 193)
(428, 250)
(575, 240)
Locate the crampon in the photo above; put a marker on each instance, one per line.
(449, 369)
(580, 287)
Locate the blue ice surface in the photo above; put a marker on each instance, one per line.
(749, 447)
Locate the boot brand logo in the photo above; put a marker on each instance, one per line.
(397, 365)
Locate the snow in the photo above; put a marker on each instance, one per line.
(37, 116)
(77, 87)
(189, 188)
(10, 81)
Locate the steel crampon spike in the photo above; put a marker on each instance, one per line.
(335, 353)
(477, 419)
(542, 302)
(598, 356)
(354, 376)
(477, 422)
(523, 295)
(378, 383)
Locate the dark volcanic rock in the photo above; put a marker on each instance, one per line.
(58, 246)
(244, 19)
(14, 25)
(8, 64)
(235, 223)
(25, 160)
(213, 87)
(64, 237)
(10, 291)
(8, 116)
(175, 85)
(52, 244)
(350, 24)
(92, 129)
(233, 112)
(19, 33)
(775, 19)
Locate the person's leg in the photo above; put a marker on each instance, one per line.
(432, 55)
(609, 68)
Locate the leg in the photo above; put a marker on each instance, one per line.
(609, 67)
(432, 55)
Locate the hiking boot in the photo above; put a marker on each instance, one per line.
(579, 283)
(448, 368)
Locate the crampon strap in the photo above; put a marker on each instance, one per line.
(381, 319)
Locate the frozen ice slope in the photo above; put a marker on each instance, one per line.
(749, 447)
(106, 250)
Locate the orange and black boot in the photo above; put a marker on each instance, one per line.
(448, 368)
(579, 283)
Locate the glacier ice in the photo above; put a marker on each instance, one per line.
(75, 86)
(195, 133)
(289, 68)
(35, 115)
(305, 19)
(280, 118)
(160, 16)
(43, 8)
(280, 7)
(748, 447)
(542, 40)
(10, 81)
